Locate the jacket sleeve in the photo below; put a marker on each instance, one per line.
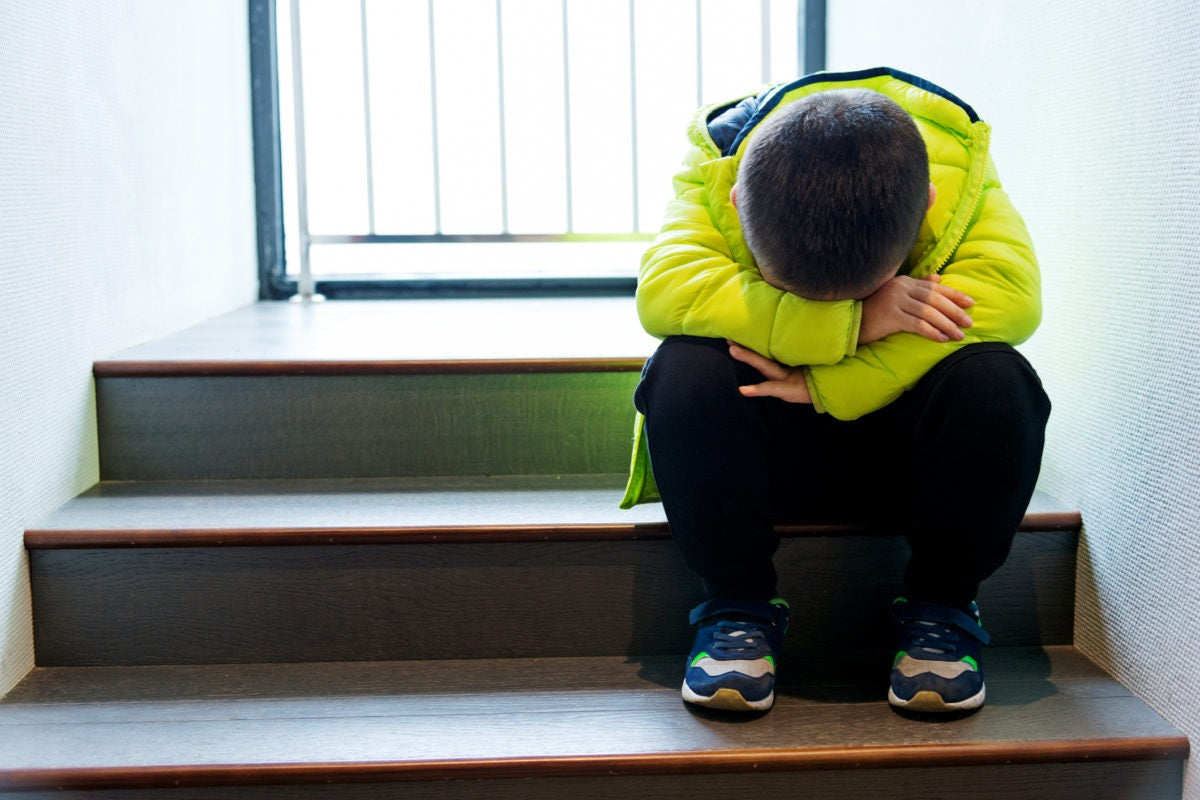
(698, 278)
(995, 265)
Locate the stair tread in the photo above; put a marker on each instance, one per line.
(475, 718)
(392, 335)
(210, 512)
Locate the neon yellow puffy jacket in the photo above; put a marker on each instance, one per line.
(698, 277)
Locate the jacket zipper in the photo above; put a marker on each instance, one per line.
(976, 201)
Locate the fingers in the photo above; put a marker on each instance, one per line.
(935, 311)
(945, 315)
(937, 334)
(932, 323)
(958, 298)
(772, 370)
(792, 390)
(925, 306)
(785, 383)
(764, 389)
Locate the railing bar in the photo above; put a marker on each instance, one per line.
(633, 115)
(503, 127)
(567, 120)
(766, 39)
(433, 120)
(304, 285)
(366, 73)
(813, 43)
(801, 34)
(484, 238)
(699, 55)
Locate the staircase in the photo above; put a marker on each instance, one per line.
(368, 550)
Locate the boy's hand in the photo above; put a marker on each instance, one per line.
(925, 307)
(786, 383)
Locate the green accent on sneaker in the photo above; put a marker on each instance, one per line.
(899, 655)
(779, 601)
(699, 656)
(974, 664)
(770, 660)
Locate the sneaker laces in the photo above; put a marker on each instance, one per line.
(930, 638)
(937, 631)
(738, 638)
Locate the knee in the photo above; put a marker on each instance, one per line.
(683, 368)
(995, 380)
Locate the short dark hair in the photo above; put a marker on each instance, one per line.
(832, 190)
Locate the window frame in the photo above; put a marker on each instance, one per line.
(274, 282)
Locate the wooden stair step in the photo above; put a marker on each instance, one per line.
(284, 518)
(324, 511)
(372, 335)
(585, 724)
(362, 389)
(238, 572)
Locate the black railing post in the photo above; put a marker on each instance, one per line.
(812, 36)
(268, 172)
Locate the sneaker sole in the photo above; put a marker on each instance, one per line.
(728, 700)
(932, 702)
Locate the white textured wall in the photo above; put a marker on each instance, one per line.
(1096, 110)
(126, 211)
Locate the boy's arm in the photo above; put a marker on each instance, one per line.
(995, 265)
(924, 307)
(698, 281)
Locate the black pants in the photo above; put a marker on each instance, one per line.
(953, 461)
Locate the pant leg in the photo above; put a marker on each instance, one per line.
(977, 423)
(725, 464)
(706, 450)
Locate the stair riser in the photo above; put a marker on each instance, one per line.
(1134, 780)
(495, 600)
(340, 426)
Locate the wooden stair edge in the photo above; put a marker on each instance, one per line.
(688, 762)
(95, 538)
(212, 368)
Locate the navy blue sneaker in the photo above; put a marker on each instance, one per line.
(937, 665)
(733, 660)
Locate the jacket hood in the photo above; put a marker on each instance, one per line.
(955, 137)
(730, 125)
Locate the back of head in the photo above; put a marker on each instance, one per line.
(832, 190)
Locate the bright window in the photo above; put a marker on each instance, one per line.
(428, 142)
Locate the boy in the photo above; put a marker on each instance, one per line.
(812, 283)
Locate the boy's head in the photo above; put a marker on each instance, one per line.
(831, 193)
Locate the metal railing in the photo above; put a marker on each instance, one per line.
(305, 238)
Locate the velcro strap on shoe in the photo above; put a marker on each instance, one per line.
(947, 615)
(774, 614)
